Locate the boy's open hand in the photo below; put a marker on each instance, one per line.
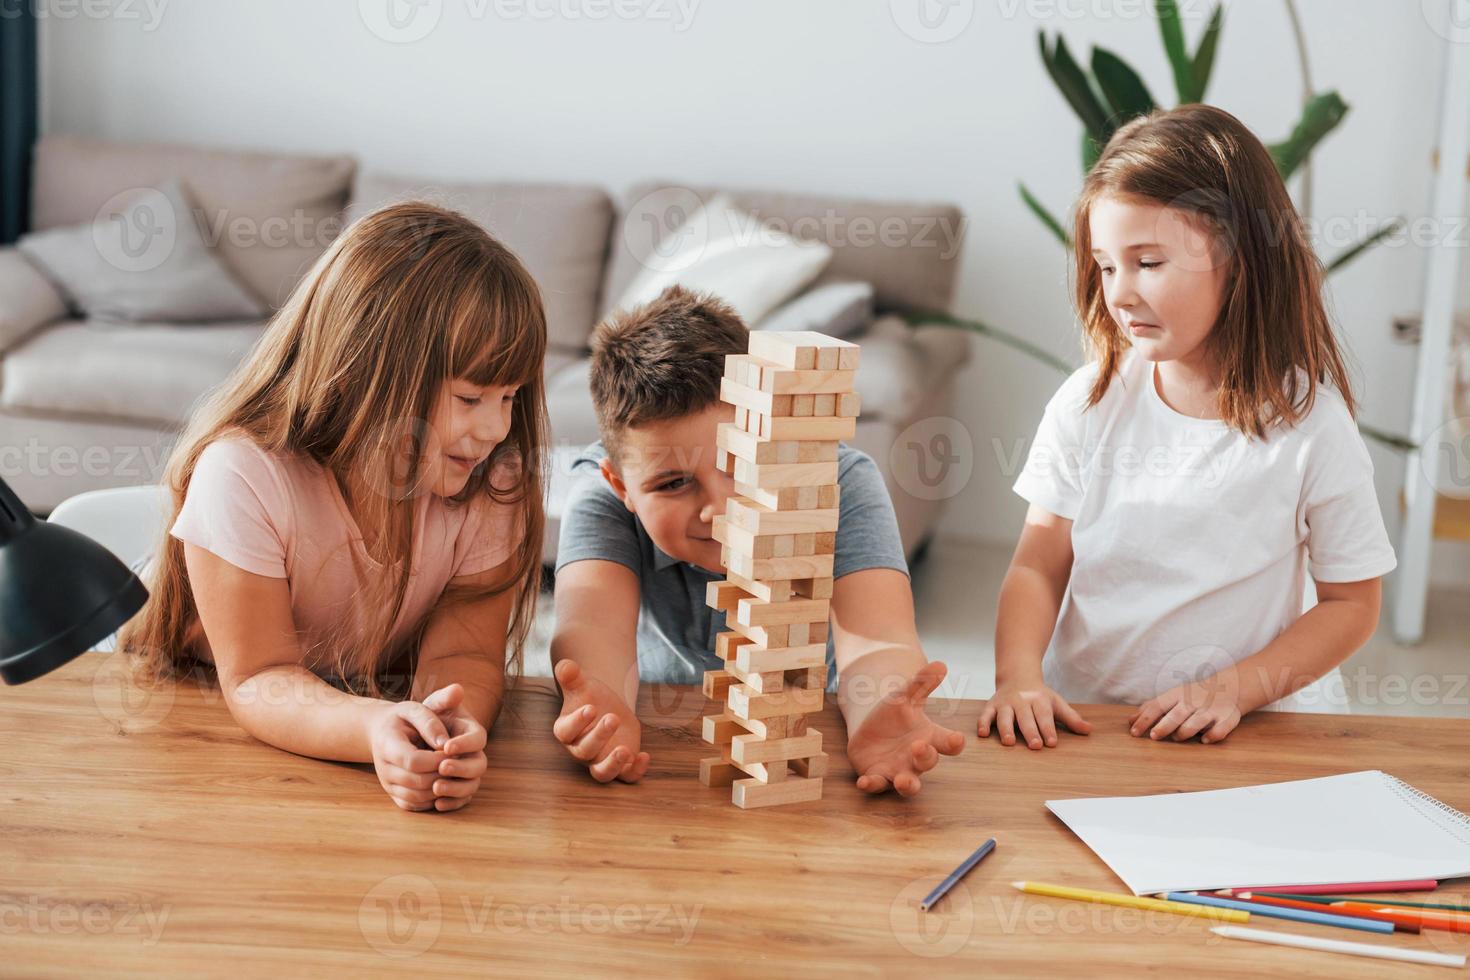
(1206, 708)
(458, 774)
(1033, 709)
(897, 741)
(597, 727)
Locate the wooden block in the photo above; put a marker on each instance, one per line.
(742, 418)
(749, 748)
(847, 357)
(803, 544)
(798, 349)
(808, 677)
(788, 498)
(782, 569)
(768, 682)
(745, 703)
(776, 427)
(724, 461)
(754, 545)
(799, 634)
(849, 406)
(744, 396)
(815, 633)
(733, 439)
(716, 683)
(764, 637)
(827, 359)
(771, 590)
(811, 588)
(715, 771)
(801, 405)
(776, 380)
(813, 767)
(721, 728)
(754, 612)
(728, 643)
(825, 543)
(765, 772)
(751, 793)
(779, 475)
(824, 405)
(781, 726)
(752, 659)
(760, 519)
(723, 595)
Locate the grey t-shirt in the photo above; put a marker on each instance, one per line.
(676, 630)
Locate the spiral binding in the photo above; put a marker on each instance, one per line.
(1459, 827)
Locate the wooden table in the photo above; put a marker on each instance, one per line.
(144, 832)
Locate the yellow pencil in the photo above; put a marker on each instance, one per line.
(1131, 901)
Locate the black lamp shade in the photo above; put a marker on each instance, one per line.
(60, 593)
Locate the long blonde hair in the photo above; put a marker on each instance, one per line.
(1273, 329)
(406, 298)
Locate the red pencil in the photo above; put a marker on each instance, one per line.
(1406, 923)
(1348, 888)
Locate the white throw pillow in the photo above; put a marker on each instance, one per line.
(142, 259)
(836, 309)
(722, 250)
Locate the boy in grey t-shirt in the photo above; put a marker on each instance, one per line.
(637, 551)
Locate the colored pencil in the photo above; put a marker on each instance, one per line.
(1425, 920)
(1338, 946)
(1131, 901)
(1290, 903)
(1346, 888)
(954, 876)
(1416, 905)
(1293, 915)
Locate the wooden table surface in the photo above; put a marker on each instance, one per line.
(144, 832)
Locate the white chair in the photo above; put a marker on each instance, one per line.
(127, 521)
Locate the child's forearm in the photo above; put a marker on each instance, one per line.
(601, 656)
(1025, 619)
(864, 681)
(293, 709)
(482, 676)
(1322, 638)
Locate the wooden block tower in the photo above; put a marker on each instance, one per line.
(794, 400)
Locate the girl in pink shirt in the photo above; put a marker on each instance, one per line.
(358, 511)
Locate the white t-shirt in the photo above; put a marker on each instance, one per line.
(1191, 544)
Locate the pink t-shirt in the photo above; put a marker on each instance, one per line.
(283, 516)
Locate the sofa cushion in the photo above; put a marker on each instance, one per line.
(27, 298)
(909, 252)
(559, 231)
(146, 260)
(837, 309)
(145, 372)
(268, 216)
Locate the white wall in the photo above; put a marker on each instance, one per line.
(801, 94)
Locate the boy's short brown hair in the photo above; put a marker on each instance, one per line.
(662, 360)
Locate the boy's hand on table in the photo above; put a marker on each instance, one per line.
(1207, 708)
(458, 775)
(897, 741)
(1033, 709)
(597, 727)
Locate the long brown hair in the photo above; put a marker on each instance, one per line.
(1272, 323)
(346, 374)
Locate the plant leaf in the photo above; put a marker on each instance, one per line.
(1075, 88)
(1173, 34)
(1038, 209)
(1121, 86)
(1090, 152)
(1364, 245)
(1204, 55)
(1320, 116)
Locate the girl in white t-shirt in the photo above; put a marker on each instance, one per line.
(357, 513)
(1185, 483)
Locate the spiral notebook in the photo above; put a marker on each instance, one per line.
(1359, 826)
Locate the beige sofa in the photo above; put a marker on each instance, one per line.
(87, 405)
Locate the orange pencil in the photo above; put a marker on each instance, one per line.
(1448, 923)
(1289, 903)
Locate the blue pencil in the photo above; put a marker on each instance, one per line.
(957, 874)
(1279, 912)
